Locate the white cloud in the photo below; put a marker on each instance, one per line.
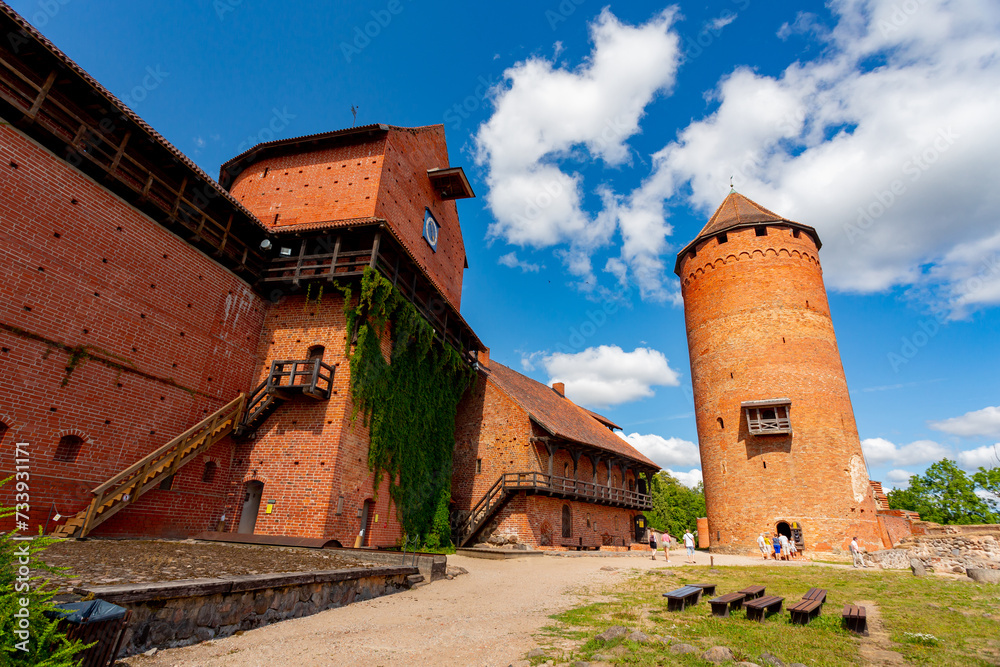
(887, 162)
(607, 375)
(987, 456)
(722, 21)
(511, 260)
(690, 479)
(805, 23)
(665, 452)
(545, 114)
(899, 478)
(879, 451)
(971, 424)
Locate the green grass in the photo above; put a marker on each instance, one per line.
(951, 611)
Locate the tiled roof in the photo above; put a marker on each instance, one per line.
(560, 416)
(736, 212)
(604, 420)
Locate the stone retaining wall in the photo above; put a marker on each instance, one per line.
(944, 553)
(179, 613)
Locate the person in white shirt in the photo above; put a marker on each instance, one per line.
(856, 552)
(793, 550)
(689, 544)
(765, 550)
(784, 546)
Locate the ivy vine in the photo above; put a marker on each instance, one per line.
(408, 403)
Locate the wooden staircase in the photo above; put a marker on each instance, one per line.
(127, 486)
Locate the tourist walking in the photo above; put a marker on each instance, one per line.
(652, 542)
(762, 544)
(666, 545)
(689, 545)
(856, 552)
(776, 545)
(783, 540)
(793, 550)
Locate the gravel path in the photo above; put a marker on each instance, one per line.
(484, 618)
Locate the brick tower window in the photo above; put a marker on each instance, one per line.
(208, 474)
(768, 417)
(760, 231)
(68, 449)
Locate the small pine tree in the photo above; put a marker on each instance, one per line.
(30, 638)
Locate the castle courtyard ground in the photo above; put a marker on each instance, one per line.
(488, 617)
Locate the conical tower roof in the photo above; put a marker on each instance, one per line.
(737, 212)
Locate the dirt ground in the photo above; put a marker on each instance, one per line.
(107, 562)
(484, 618)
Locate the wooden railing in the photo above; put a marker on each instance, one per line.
(127, 486)
(537, 482)
(311, 377)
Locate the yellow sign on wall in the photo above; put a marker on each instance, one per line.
(270, 506)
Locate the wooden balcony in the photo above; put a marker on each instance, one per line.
(343, 255)
(287, 378)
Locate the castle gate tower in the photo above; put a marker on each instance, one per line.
(779, 445)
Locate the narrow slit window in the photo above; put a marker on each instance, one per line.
(479, 466)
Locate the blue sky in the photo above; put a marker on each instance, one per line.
(600, 138)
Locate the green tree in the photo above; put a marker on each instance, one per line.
(29, 637)
(989, 480)
(943, 494)
(676, 508)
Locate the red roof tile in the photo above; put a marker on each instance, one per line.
(560, 416)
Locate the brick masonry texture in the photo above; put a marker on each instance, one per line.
(83, 268)
(383, 178)
(493, 428)
(759, 327)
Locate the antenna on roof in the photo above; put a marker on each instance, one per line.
(354, 112)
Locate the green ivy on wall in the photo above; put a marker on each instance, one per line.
(408, 403)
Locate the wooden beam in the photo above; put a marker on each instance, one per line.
(42, 94)
(225, 235)
(120, 151)
(378, 238)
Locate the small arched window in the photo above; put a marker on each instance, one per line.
(208, 475)
(68, 449)
(722, 424)
(316, 352)
(565, 470)
(567, 522)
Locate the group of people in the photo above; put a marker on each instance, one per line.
(777, 547)
(665, 541)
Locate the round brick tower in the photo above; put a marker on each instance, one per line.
(779, 446)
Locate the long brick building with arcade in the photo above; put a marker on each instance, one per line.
(173, 347)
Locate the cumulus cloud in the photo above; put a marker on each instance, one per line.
(879, 451)
(887, 162)
(971, 424)
(665, 452)
(691, 478)
(511, 260)
(900, 479)
(607, 375)
(547, 114)
(987, 456)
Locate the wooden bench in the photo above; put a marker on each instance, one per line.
(707, 589)
(685, 596)
(855, 620)
(580, 546)
(804, 610)
(752, 592)
(722, 605)
(815, 594)
(771, 604)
